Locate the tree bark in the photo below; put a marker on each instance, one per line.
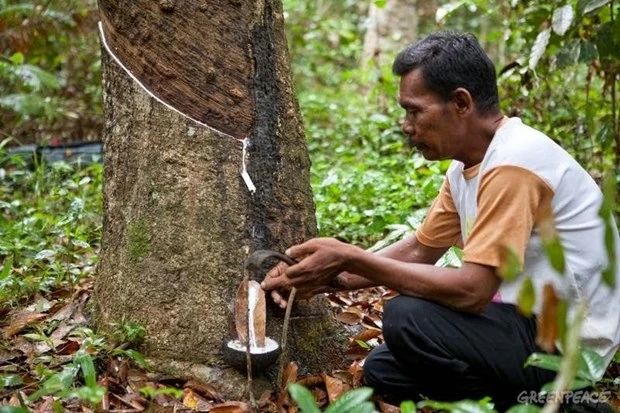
(390, 29)
(179, 222)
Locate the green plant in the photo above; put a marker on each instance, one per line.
(49, 70)
(130, 332)
(353, 401)
(59, 384)
(50, 218)
(151, 392)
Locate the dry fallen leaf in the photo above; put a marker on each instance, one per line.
(193, 400)
(230, 407)
(357, 372)
(290, 374)
(21, 321)
(205, 390)
(387, 408)
(311, 381)
(65, 312)
(547, 330)
(266, 404)
(320, 396)
(367, 334)
(356, 352)
(334, 387)
(344, 376)
(349, 317)
(372, 320)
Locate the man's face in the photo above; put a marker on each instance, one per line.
(430, 124)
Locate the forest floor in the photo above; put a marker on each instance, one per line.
(49, 332)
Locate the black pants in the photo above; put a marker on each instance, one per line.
(442, 354)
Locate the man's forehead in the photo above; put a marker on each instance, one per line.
(412, 85)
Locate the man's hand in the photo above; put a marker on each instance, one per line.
(276, 276)
(321, 260)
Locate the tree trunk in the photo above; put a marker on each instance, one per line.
(390, 29)
(179, 220)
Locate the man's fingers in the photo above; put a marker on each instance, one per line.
(277, 271)
(274, 283)
(278, 299)
(301, 250)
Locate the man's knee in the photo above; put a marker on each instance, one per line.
(406, 315)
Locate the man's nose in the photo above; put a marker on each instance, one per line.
(406, 127)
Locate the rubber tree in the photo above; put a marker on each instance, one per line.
(179, 219)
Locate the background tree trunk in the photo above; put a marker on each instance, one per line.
(179, 221)
(390, 29)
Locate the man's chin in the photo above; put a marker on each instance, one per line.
(428, 155)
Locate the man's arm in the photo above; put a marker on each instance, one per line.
(469, 288)
(408, 249)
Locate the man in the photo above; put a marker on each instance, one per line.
(456, 333)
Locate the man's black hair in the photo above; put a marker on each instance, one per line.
(450, 60)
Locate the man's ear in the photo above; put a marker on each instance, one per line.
(463, 102)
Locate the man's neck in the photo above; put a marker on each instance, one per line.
(482, 135)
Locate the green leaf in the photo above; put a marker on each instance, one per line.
(576, 384)
(445, 10)
(380, 3)
(88, 370)
(463, 406)
(606, 213)
(7, 265)
(605, 42)
(36, 78)
(545, 361)
(23, 103)
(13, 409)
(527, 297)
(151, 392)
(540, 45)
(524, 408)
(555, 253)
(588, 52)
(366, 407)
(511, 266)
(91, 394)
(362, 344)
(17, 58)
(10, 380)
(135, 355)
(569, 54)
(562, 19)
(407, 407)
(45, 255)
(57, 383)
(348, 401)
(595, 5)
(304, 398)
(592, 366)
